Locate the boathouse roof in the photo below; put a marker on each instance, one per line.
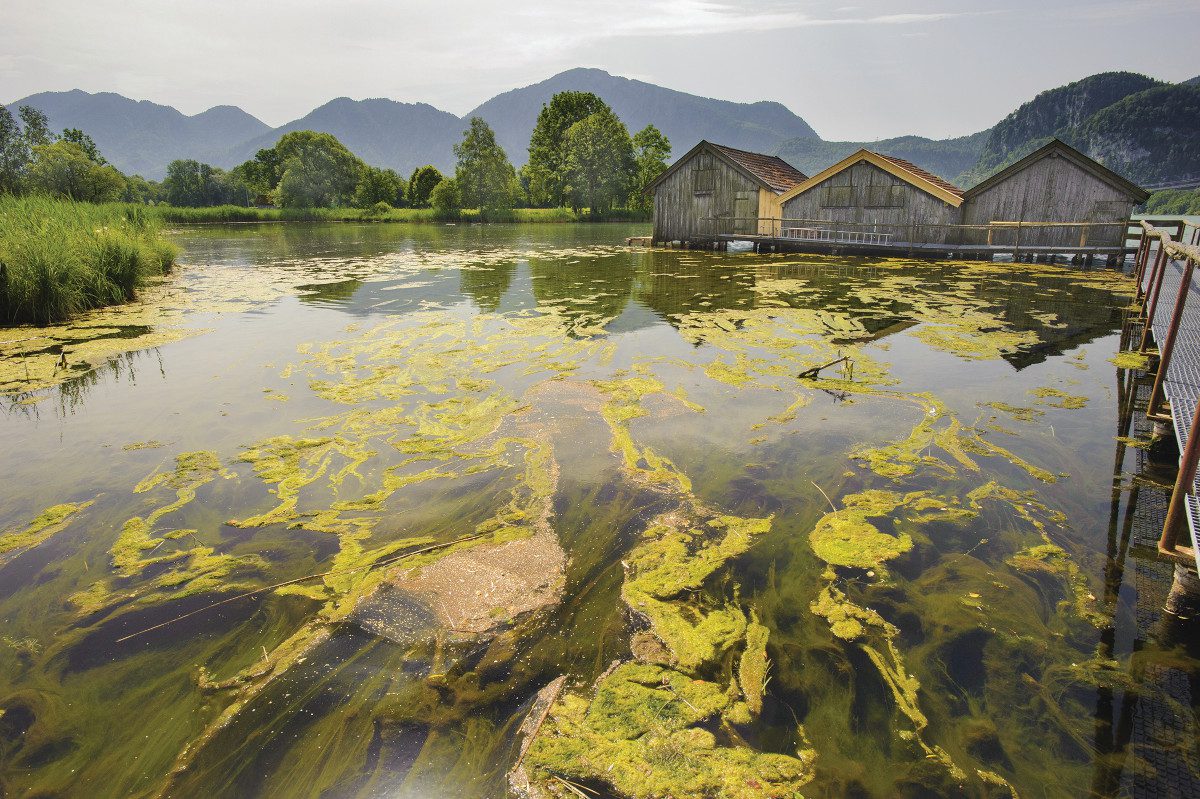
(1057, 147)
(904, 170)
(769, 171)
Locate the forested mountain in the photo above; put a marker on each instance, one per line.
(1144, 129)
(941, 157)
(401, 136)
(1056, 110)
(141, 137)
(1149, 136)
(684, 118)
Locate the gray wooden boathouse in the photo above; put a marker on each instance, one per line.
(711, 181)
(1054, 201)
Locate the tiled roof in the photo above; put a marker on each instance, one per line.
(770, 169)
(929, 177)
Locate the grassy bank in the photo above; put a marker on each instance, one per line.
(233, 213)
(59, 258)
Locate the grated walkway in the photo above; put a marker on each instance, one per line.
(1182, 382)
(1160, 758)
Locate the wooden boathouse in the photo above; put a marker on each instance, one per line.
(1054, 201)
(714, 181)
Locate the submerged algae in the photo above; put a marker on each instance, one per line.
(50, 522)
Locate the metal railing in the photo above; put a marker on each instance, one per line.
(1010, 236)
(1150, 282)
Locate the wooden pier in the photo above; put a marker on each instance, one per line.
(1022, 241)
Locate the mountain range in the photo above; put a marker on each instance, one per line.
(1144, 128)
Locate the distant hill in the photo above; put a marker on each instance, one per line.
(684, 118)
(1149, 136)
(1056, 112)
(1192, 81)
(942, 157)
(402, 136)
(141, 137)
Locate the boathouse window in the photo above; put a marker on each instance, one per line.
(704, 180)
(837, 197)
(891, 195)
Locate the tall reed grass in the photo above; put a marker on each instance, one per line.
(59, 258)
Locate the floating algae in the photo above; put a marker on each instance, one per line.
(1057, 398)
(1018, 412)
(446, 404)
(645, 730)
(50, 522)
(139, 445)
(643, 734)
(845, 537)
(1131, 360)
(753, 665)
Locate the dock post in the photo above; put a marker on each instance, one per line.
(1178, 508)
(1139, 262)
(1156, 277)
(1167, 346)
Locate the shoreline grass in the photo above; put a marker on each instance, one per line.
(225, 214)
(59, 258)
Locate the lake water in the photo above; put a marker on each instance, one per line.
(924, 534)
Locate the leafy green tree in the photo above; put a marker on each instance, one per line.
(14, 153)
(193, 184)
(318, 177)
(62, 168)
(379, 186)
(421, 183)
(599, 163)
(324, 172)
(445, 199)
(85, 142)
(141, 191)
(483, 174)
(36, 124)
(547, 168)
(651, 149)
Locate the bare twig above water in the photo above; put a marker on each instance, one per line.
(827, 499)
(815, 371)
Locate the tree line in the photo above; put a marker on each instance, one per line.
(580, 156)
(33, 159)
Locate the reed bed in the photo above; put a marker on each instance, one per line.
(59, 258)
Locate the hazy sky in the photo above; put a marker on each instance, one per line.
(874, 69)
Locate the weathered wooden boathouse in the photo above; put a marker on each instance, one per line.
(713, 181)
(1054, 201)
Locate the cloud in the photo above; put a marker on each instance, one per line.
(705, 17)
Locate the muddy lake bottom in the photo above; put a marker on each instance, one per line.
(326, 512)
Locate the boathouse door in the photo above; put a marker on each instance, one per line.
(745, 211)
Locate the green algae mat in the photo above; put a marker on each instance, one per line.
(373, 510)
